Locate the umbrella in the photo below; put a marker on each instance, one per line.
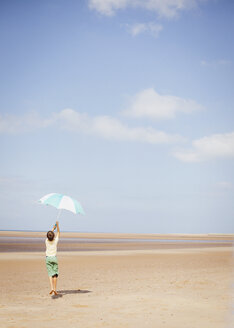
(62, 202)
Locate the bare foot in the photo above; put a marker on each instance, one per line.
(55, 293)
(51, 292)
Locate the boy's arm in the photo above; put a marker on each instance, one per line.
(58, 230)
(54, 227)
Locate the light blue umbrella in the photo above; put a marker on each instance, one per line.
(62, 202)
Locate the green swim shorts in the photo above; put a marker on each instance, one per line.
(52, 266)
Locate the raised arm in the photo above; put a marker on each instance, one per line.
(54, 227)
(58, 230)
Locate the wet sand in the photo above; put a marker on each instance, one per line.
(15, 241)
(138, 284)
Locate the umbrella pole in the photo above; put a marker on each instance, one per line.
(59, 214)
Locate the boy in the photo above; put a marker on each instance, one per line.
(51, 257)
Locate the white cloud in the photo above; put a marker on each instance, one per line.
(150, 104)
(164, 8)
(139, 28)
(11, 124)
(208, 148)
(111, 128)
(215, 63)
(108, 7)
(102, 126)
(226, 185)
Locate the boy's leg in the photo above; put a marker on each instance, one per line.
(54, 283)
(48, 266)
(51, 284)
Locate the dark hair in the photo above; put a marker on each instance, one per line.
(50, 235)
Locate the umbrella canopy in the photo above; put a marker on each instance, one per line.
(62, 202)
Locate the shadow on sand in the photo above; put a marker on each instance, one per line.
(70, 291)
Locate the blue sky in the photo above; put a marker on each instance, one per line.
(124, 105)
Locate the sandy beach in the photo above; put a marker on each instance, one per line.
(118, 284)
